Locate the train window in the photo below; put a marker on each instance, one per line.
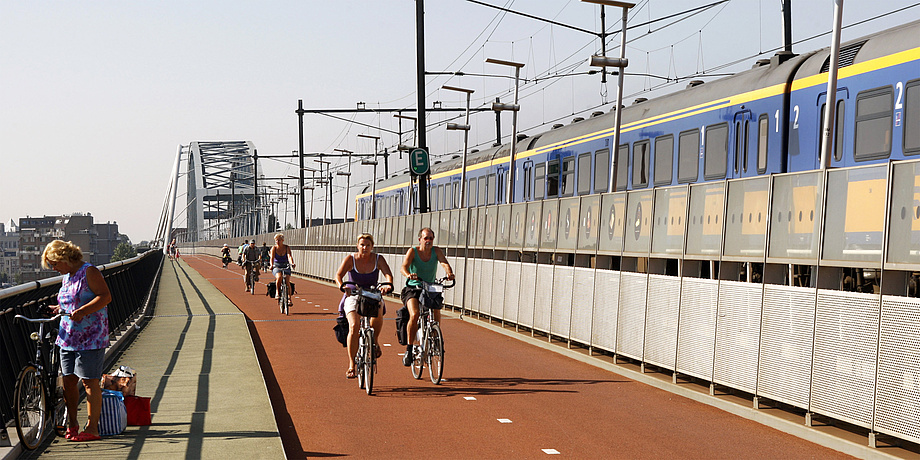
(640, 164)
(664, 159)
(434, 197)
(912, 118)
(568, 176)
(483, 191)
(715, 160)
(739, 145)
(552, 179)
(471, 193)
(688, 156)
(763, 134)
(744, 146)
(601, 170)
(456, 202)
(491, 189)
(873, 124)
(838, 130)
(621, 166)
(584, 174)
(442, 198)
(539, 183)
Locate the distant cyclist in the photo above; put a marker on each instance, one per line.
(362, 268)
(282, 263)
(263, 256)
(250, 257)
(421, 263)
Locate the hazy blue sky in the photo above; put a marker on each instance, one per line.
(97, 95)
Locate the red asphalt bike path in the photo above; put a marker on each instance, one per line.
(500, 397)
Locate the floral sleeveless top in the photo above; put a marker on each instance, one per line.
(91, 332)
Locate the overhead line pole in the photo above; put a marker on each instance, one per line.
(420, 89)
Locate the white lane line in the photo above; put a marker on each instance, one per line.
(504, 420)
(551, 452)
(387, 345)
(469, 398)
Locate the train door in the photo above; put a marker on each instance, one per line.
(740, 162)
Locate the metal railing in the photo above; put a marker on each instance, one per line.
(131, 282)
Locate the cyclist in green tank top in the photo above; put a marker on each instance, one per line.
(421, 263)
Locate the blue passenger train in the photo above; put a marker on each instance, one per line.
(762, 121)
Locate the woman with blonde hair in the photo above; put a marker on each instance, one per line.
(83, 335)
(282, 263)
(362, 268)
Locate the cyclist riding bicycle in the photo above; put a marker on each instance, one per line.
(225, 255)
(421, 263)
(263, 256)
(362, 268)
(282, 263)
(250, 260)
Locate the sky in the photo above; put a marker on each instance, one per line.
(96, 96)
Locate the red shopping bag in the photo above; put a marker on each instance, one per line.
(138, 408)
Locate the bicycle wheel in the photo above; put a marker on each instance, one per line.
(252, 281)
(418, 361)
(282, 298)
(31, 414)
(286, 301)
(435, 354)
(369, 360)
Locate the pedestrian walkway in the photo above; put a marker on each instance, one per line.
(195, 359)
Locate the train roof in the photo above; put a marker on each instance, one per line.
(867, 48)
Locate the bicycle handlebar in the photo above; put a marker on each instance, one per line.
(42, 320)
(376, 287)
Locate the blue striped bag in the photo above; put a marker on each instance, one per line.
(114, 417)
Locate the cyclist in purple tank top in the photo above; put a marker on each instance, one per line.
(362, 268)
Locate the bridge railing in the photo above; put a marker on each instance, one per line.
(130, 281)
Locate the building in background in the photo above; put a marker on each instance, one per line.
(97, 241)
(9, 255)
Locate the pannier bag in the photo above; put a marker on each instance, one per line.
(402, 322)
(341, 330)
(271, 289)
(114, 417)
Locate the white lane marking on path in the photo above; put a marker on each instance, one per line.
(469, 398)
(551, 451)
(504, 420)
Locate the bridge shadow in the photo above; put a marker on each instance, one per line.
(491, 386)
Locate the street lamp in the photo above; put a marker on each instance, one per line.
(498, 107)
(466, 136)
(373, 187)
(621, 63)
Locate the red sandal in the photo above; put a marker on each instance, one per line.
(85, 437)
(71, 432)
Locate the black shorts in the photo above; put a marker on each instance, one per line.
(412, 292)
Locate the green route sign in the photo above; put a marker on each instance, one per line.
(418, 162)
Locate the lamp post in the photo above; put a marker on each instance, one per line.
(466, 137)
(621, 63)
(373, 187)
(498, 107)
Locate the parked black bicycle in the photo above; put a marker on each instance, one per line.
(370, 301)
(39, 393)
(430, 349)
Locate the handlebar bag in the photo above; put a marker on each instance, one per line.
(368, 307)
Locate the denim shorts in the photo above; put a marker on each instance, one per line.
(86, 364)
